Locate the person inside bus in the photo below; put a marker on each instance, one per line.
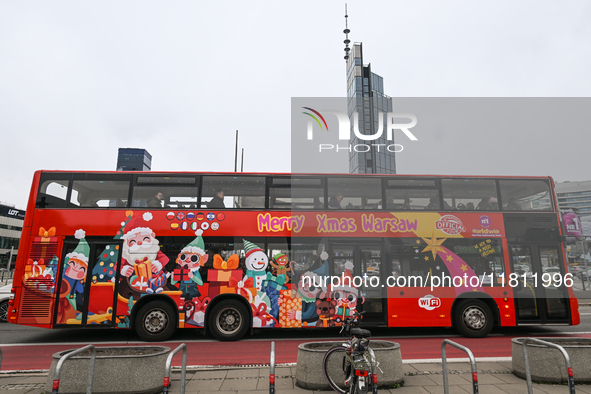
(488, 204)
(433, 203)
(493, 203)
(217, 201)
(317, 203)
(335, 202)
(156, 201)
(513, 205)
(470, 206)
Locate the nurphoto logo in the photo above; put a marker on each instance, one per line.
(344, 130)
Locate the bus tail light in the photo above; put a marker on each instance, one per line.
(11, 302)
(13, 290)
(505, 299)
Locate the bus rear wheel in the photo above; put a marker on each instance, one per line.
(473, 318)
(228, 320)
(156, 321)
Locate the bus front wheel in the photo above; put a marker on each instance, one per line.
(473, 318)
(228, 321)
(156, 321)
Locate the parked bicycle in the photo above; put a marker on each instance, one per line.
(352, 367)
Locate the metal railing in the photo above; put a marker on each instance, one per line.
(60, 363)
(569, 369)
(272, 370)
(472, 365)
(182, 347)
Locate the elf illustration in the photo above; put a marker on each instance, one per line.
(76, 268)
(191, 258)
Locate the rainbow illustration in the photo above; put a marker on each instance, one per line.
(315, 118)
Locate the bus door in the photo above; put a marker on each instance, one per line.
(540, 294)
(367, 291)
(87, 292)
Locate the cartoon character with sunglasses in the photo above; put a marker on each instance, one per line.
(190, 259)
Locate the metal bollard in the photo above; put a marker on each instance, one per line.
(272, 370)
(472, 365)
(60, 363)
(569, 369)
(182, 347)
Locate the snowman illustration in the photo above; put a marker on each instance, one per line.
(256, 264)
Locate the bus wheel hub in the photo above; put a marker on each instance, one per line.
(230, 319)
(475, 318)
(155, 321)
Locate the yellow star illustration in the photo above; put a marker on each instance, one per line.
(426, 258)
(418, 241)
(464, 267)
(434, 245)
(449, 258)
(474, 289)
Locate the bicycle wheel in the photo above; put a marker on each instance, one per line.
(336, 368)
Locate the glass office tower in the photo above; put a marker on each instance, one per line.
(132, 159)
(365, 91)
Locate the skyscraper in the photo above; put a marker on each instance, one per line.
(134, 159)
(365, 91)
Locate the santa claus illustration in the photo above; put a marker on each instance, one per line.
(141, 248)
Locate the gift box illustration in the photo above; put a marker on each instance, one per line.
(181, 275)
(245, 288)
(224, 270)
(143, 268)
(288, 302)
(260, 317)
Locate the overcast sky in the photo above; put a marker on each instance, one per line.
(78, 80)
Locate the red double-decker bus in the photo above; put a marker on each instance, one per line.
(233, 251)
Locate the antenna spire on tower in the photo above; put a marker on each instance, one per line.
(346, 31)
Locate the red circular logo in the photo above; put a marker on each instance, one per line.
(450, 224)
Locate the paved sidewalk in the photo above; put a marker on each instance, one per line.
(493, 377)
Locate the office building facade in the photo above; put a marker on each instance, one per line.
(366, 98)
(11, 226)
(574, 195)
(134, 159)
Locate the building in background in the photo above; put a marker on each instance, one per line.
(134, 159)
(365, 91)
(11, 226)
(574, 195)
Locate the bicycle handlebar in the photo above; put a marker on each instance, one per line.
(349, 321)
